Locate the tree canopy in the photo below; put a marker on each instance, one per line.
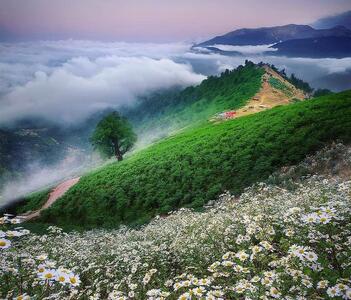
(113, 136)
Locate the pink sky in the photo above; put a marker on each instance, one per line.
(153, 20)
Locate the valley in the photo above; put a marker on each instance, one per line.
(175, 150)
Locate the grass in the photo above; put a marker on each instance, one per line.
(277, 84)
(195, 166)
(33, 201)
(231, 90)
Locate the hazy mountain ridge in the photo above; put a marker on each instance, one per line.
(343, 19)
(273, 35)
(332, 46)
(289, 40)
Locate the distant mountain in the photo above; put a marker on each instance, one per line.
(333, 47)
(343, 19)
(273, 35)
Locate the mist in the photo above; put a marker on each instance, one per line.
(330, 73)
(40, 176)
(66, 82)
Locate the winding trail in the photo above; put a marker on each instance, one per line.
(55, 194)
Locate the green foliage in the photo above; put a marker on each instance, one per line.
(300, 84)
(322, 92)
(174, 109)
(277, 84)
(33, 201)
(113, 136)
(193, 167)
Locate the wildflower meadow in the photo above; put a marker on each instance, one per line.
(272, 242)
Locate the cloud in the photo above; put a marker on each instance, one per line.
(246, 50)
(80, 86)
(66, 81)
(315, 71)
(40, 176)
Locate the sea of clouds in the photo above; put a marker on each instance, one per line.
(67, 81)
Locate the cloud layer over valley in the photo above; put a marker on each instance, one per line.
(71, 91)
(67, 81)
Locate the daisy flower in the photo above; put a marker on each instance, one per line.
(4, 243)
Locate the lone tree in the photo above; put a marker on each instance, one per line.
(113, 136)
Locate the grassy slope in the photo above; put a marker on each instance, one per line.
(231, 90)
(195, 166)
(33, 201)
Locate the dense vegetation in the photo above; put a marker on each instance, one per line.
(295, 81)
(321, 92)
(113, 136)
(33, 201)
(279, 85)
(175, 109)
(195, 166)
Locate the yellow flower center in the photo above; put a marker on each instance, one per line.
(73, 280)
(61, 279)
(41, 270)
(48, 276)
(2, 244)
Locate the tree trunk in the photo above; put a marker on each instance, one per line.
(118, 153)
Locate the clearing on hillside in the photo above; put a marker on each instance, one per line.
(275, 90)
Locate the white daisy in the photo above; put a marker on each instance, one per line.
(4, 243)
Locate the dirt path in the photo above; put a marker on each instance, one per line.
(56, 193)
(268, 96)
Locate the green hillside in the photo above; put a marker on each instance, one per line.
(174, 109)
(42, 142)
(196, 165)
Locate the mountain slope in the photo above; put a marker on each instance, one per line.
(248, 88)
(333, 47)
(196, 165)
(275, 90)
(175, 110)
(343, 19)
(22, 146)
(36, 143)
(273, 35)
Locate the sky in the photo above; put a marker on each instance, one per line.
(152, 20)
